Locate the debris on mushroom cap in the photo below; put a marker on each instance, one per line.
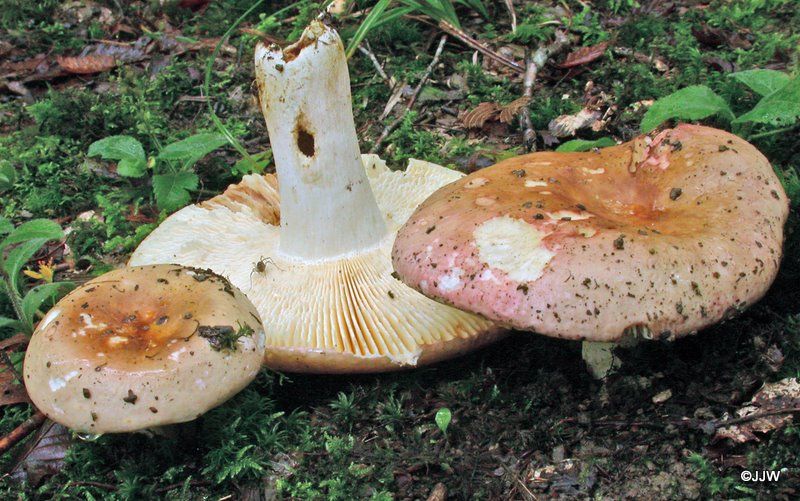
(314, 254)
(142, 347)
(654, 238)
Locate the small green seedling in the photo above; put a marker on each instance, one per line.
(26, 240)
(173, 177)
(442, 418)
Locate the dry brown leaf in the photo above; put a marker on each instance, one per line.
(86, 65)
(44, 455)
(477, 117)
(771, 398)
(511, 110)
(567, 125)
(11, 391)
(584, 55)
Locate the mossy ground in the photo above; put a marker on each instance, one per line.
(528, 423)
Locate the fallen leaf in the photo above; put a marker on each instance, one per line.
(584, 55)
(567, 125)
(477, 117)
(509, 111)
(769, 401)
(86, 65)
(44, 455)
(11, 390)
(122, 52)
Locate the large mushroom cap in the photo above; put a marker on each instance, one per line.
(657, 237)
(142, 347)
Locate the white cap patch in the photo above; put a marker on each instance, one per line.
(513, 247)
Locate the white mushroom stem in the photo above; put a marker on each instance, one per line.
(327, 207)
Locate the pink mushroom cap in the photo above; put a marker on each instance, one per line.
(654, 238)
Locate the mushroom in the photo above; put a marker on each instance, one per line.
(314, 253)
(652, 239)
(142, 347)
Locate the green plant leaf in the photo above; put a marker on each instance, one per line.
(37, 228)
(374, 19)
(6, 226)
(10, 323)
(20, 255)
(691, 103)
(193, 148)
(782, 107)
(584, 145)
(35, 297)
(790, 179)
(762, 82)
(8, 175)
(476, 5)
(126, 150)
(245, 166)
(172, 190)
(442, 418)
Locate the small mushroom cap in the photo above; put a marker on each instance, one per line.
(657, 237)
(342, 315)
(141, 347)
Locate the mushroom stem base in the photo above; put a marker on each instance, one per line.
(600, 359)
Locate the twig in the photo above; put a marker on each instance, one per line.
(513, 14)
(21, 431)
(480, 47)
(92, 483)
(392, 126)
(533, 64)
(390, 81)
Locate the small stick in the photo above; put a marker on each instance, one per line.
(480, 47)
(513, 13)
(100, 485)
(533, 65)
(392, 126)
(368, 52)
(21, 431)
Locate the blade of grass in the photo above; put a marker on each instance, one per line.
(372, 20)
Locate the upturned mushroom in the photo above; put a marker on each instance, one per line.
(143, 347)
(652, 239)
(313, 254)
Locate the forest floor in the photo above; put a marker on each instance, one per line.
(528, 422)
